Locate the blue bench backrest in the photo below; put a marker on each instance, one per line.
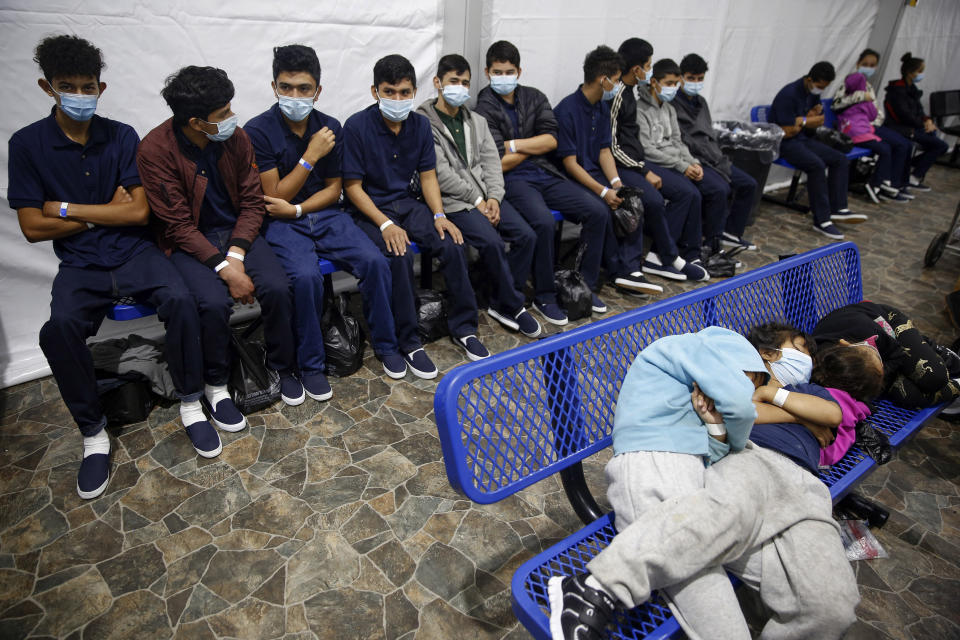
(520, 416)
(759, 113)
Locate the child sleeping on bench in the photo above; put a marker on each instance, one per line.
(758, 514)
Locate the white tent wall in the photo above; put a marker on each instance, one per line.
(144, 41)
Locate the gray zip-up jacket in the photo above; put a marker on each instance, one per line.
(660, 133)
(462, 182)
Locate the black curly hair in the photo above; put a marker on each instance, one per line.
(196, 92)
(66, 56)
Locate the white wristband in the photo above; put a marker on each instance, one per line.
(604, 192)
(615, 180)
(780, 397)
(90, 225)
(235, 255)
(478, 201)
(716, 428)
(299, 210)
(221, 266)
(386, 224)
(513, 146)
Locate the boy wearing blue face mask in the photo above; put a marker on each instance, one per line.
(74, 181)
(471, 183)
(299, 153)
(723, 221)
(385, 148)
(201, 178)
(660, 134)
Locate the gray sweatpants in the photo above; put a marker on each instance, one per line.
(758, 513)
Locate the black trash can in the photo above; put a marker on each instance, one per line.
(752, 147)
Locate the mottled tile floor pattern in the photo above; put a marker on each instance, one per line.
(336, 520)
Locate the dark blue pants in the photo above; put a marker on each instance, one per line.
(81, 298)
(534, 200)
(525, 244)
(484, 237)
(884, 155)
(417, 221)
(654, 221)
(331, 234)
(900, 149)
(932, 146)
(827, 174)
(683, 202)
(272, 291)
(726, 204)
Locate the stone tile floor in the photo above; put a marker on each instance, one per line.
(336, 520)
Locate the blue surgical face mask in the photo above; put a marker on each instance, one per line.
(455, 94)
(395, 110)
(692, 88)
(225, 129)
(867, 71)
(793, 367)
(297, 109)
(918, 77)
(644, 77)
(77, 106)
(667, 94)
(504, 85)
(609, 95)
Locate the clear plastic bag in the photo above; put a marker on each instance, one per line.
(753, 136)
(859, 543)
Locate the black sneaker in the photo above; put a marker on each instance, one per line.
(578, 612)
(93, 475)
(916, 184)
(828, 229)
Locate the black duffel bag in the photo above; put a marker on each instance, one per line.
(431, 315)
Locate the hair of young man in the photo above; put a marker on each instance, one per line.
(602, 61)
(909, 64)
(849, 369)
(693, 63)
(665, 67)
(66, 56)
(452, 62)
(196, 92)
(293, 58)
(823, 71)
(868, 52)
(393, 69)
(635, 51)
(503, 51)
(772, 335)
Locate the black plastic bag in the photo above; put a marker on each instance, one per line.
(127, 403)
(573, 294)
(836, 139)
(253, 385)
(342, 338)
(861, 170)
(629, 215)
(873, 442)
(431, 315)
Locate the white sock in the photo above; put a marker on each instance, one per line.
(679, 263)
(593, 583)
(215, 394)
(99, 443)
(191, 413)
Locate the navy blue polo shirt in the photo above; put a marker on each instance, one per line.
(216, 210)
(584, 130)
(792, 101)
(793, 440)
(46, 165)
(277, 147)
(384, 161)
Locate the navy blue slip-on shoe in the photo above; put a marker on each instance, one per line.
(393, 365)
(731, 241)
(503, 319)
(663, 270)
(527, 324)
(596, 304)
(291, 391)
(421, 365)
(473, 347)
(93, 476)
(316, 386)
(205, 439)
(828, 229)
(226, 415)
(552, 313)
(695, 271)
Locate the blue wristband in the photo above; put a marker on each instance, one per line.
(306, 165)
(63, 209)
(437, 216)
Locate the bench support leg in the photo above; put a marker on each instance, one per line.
(575, 486)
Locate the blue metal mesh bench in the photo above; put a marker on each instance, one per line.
(759, 114)
(540, 409)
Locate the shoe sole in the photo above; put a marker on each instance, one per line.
(504, 320)
(470, 356)
(847, 219)
(320, 397)
(679, 277)
(873, 195)
(559, 323)
(209, 454)
(892, 199)
(647, 287)
(223, 426)
(555, 597)
(599, 309)
(424, 375)
(395, 375)
(829, 235)
(293, 402)
(89, 495)
(533, 335)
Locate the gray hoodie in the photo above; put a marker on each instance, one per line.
(462, 183)
(660, 133)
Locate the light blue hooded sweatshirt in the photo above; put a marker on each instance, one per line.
(654, 411)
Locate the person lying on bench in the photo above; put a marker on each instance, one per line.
(916, 371)
(759, 515)
(200, 175)
(73, 179)
(299, 153)
(471, 184)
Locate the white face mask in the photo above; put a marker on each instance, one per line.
(793, 367)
